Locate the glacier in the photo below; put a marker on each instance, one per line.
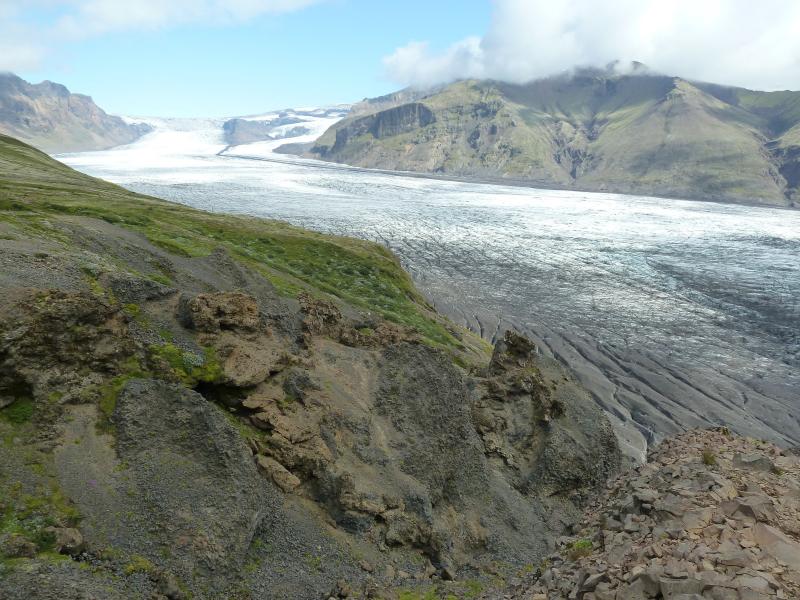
(673, 313)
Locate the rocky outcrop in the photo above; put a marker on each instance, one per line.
(323, 318)
(48, 116)
(710, 516)
(247, 131)
(191, 481)
(210, 433)
(387, 438)
(214, 313)
(549, 440)
(384, 124)
(64, 345)
(787, 157)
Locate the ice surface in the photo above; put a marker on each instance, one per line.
(674, 313)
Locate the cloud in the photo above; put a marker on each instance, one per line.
(30, 28)
(415, 63)
(740, 42)
(102, 16)
(18, 54)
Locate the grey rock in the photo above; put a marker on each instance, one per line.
(194, 480)
(630, 526)
(671, 588)
(16, 546)
(754, 462)
(736, 558)
(592, 581)
(759, 507)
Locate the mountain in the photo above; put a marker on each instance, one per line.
(200, 405)
(281, 125)
(49, 117)
(590, 130)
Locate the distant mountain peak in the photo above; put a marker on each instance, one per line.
(47, 115)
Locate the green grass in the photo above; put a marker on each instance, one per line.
(579, 549)
(35, 191)
(139, 564)
(418, 595)
(19, 412)
(471, 588)
(29, 515)
(187, 366)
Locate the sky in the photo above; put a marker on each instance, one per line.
(236, 57)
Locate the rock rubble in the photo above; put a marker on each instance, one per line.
(709, 516)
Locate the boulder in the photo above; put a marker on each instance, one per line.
(67, 540)
(244, 363)
(191, 481)
(777, 545)
(282, 477)
(222, 311)
(756, 506)
(753, 462)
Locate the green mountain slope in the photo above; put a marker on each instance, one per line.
(35, 190)
(645, 134)
(48, 116)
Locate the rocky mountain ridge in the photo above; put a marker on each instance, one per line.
(591, 130)
(49, 117)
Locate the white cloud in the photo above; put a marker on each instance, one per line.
(17, 50)
(415, 64)
(101, 16)
(29, 28)
(18, 54)
(740, 42)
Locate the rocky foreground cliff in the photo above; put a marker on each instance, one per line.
(595, 130)
(49, 117)
(207, 406)
(710, 516)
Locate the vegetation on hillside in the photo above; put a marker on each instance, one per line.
(594, 130)
(35, 188)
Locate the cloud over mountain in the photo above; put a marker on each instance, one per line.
(753, 44)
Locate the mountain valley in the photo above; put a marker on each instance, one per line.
(268, 357)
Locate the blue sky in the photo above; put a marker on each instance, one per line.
(234, 57)
(321, 54)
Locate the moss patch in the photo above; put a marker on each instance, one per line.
(138, 564)
(579, 549)
(189, 368)
(28, 515)
(19, 412)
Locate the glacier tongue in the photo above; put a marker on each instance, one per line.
(673, 313)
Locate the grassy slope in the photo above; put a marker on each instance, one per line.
(34, 187)
(679, 144)
(641, 134)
